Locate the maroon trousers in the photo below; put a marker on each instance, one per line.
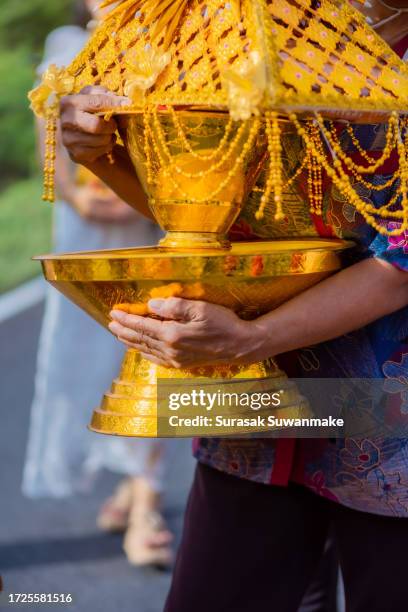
(248, 547)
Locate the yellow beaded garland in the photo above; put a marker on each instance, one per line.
(155, 145)
(49, 156)
(342, 182)
(274, 182)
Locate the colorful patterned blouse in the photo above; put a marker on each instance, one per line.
(370, 475)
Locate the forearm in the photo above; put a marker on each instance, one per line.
(341, 304)
(191, 333)
(122, 179)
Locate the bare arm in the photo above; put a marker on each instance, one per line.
(343, 303)
(202, 333)
(122, 179)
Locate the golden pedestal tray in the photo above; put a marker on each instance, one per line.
(251, 278)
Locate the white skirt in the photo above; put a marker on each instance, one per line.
(77, 360)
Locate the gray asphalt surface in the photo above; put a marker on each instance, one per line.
(51, 546)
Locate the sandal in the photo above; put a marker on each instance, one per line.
(147, 540)
(113, 516)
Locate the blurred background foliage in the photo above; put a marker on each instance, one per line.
(29, 21)
(24, 25)
(25, 221)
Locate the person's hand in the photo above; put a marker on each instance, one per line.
(102, 206)
(87, 136)
(192, 333)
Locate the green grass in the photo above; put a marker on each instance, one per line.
(25, 230)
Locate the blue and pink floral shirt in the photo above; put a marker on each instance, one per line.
(370, 475)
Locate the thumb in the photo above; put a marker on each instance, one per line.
(176, 309)
(94, 89)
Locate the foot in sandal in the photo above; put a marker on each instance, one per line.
(113, 517)
(147, 540)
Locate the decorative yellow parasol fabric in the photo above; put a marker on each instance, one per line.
(306, 59)
(246, 55)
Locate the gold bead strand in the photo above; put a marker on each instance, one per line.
(295, 175)
(403, 163)
(253, 133)
(212, 168)
(277, 143)
(146, 144)
(332, 138)
(184, 140)
(342, 182)
(310, 158)
(318, 172)
(405, 124)
(274, 181)
(49, 156)
(372, 186)
(359, 148)
(313, 173)
(259, 215)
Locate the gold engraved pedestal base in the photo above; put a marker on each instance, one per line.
(130, 408)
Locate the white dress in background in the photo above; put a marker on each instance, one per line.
(78, 359)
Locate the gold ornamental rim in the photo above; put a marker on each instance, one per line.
(305, 114)
(258, 247)
(358, 116)
(250, 261)
(163, 110)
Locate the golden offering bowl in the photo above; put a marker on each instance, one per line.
(251, 279)
(197, 169)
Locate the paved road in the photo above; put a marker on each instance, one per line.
(54, 546)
